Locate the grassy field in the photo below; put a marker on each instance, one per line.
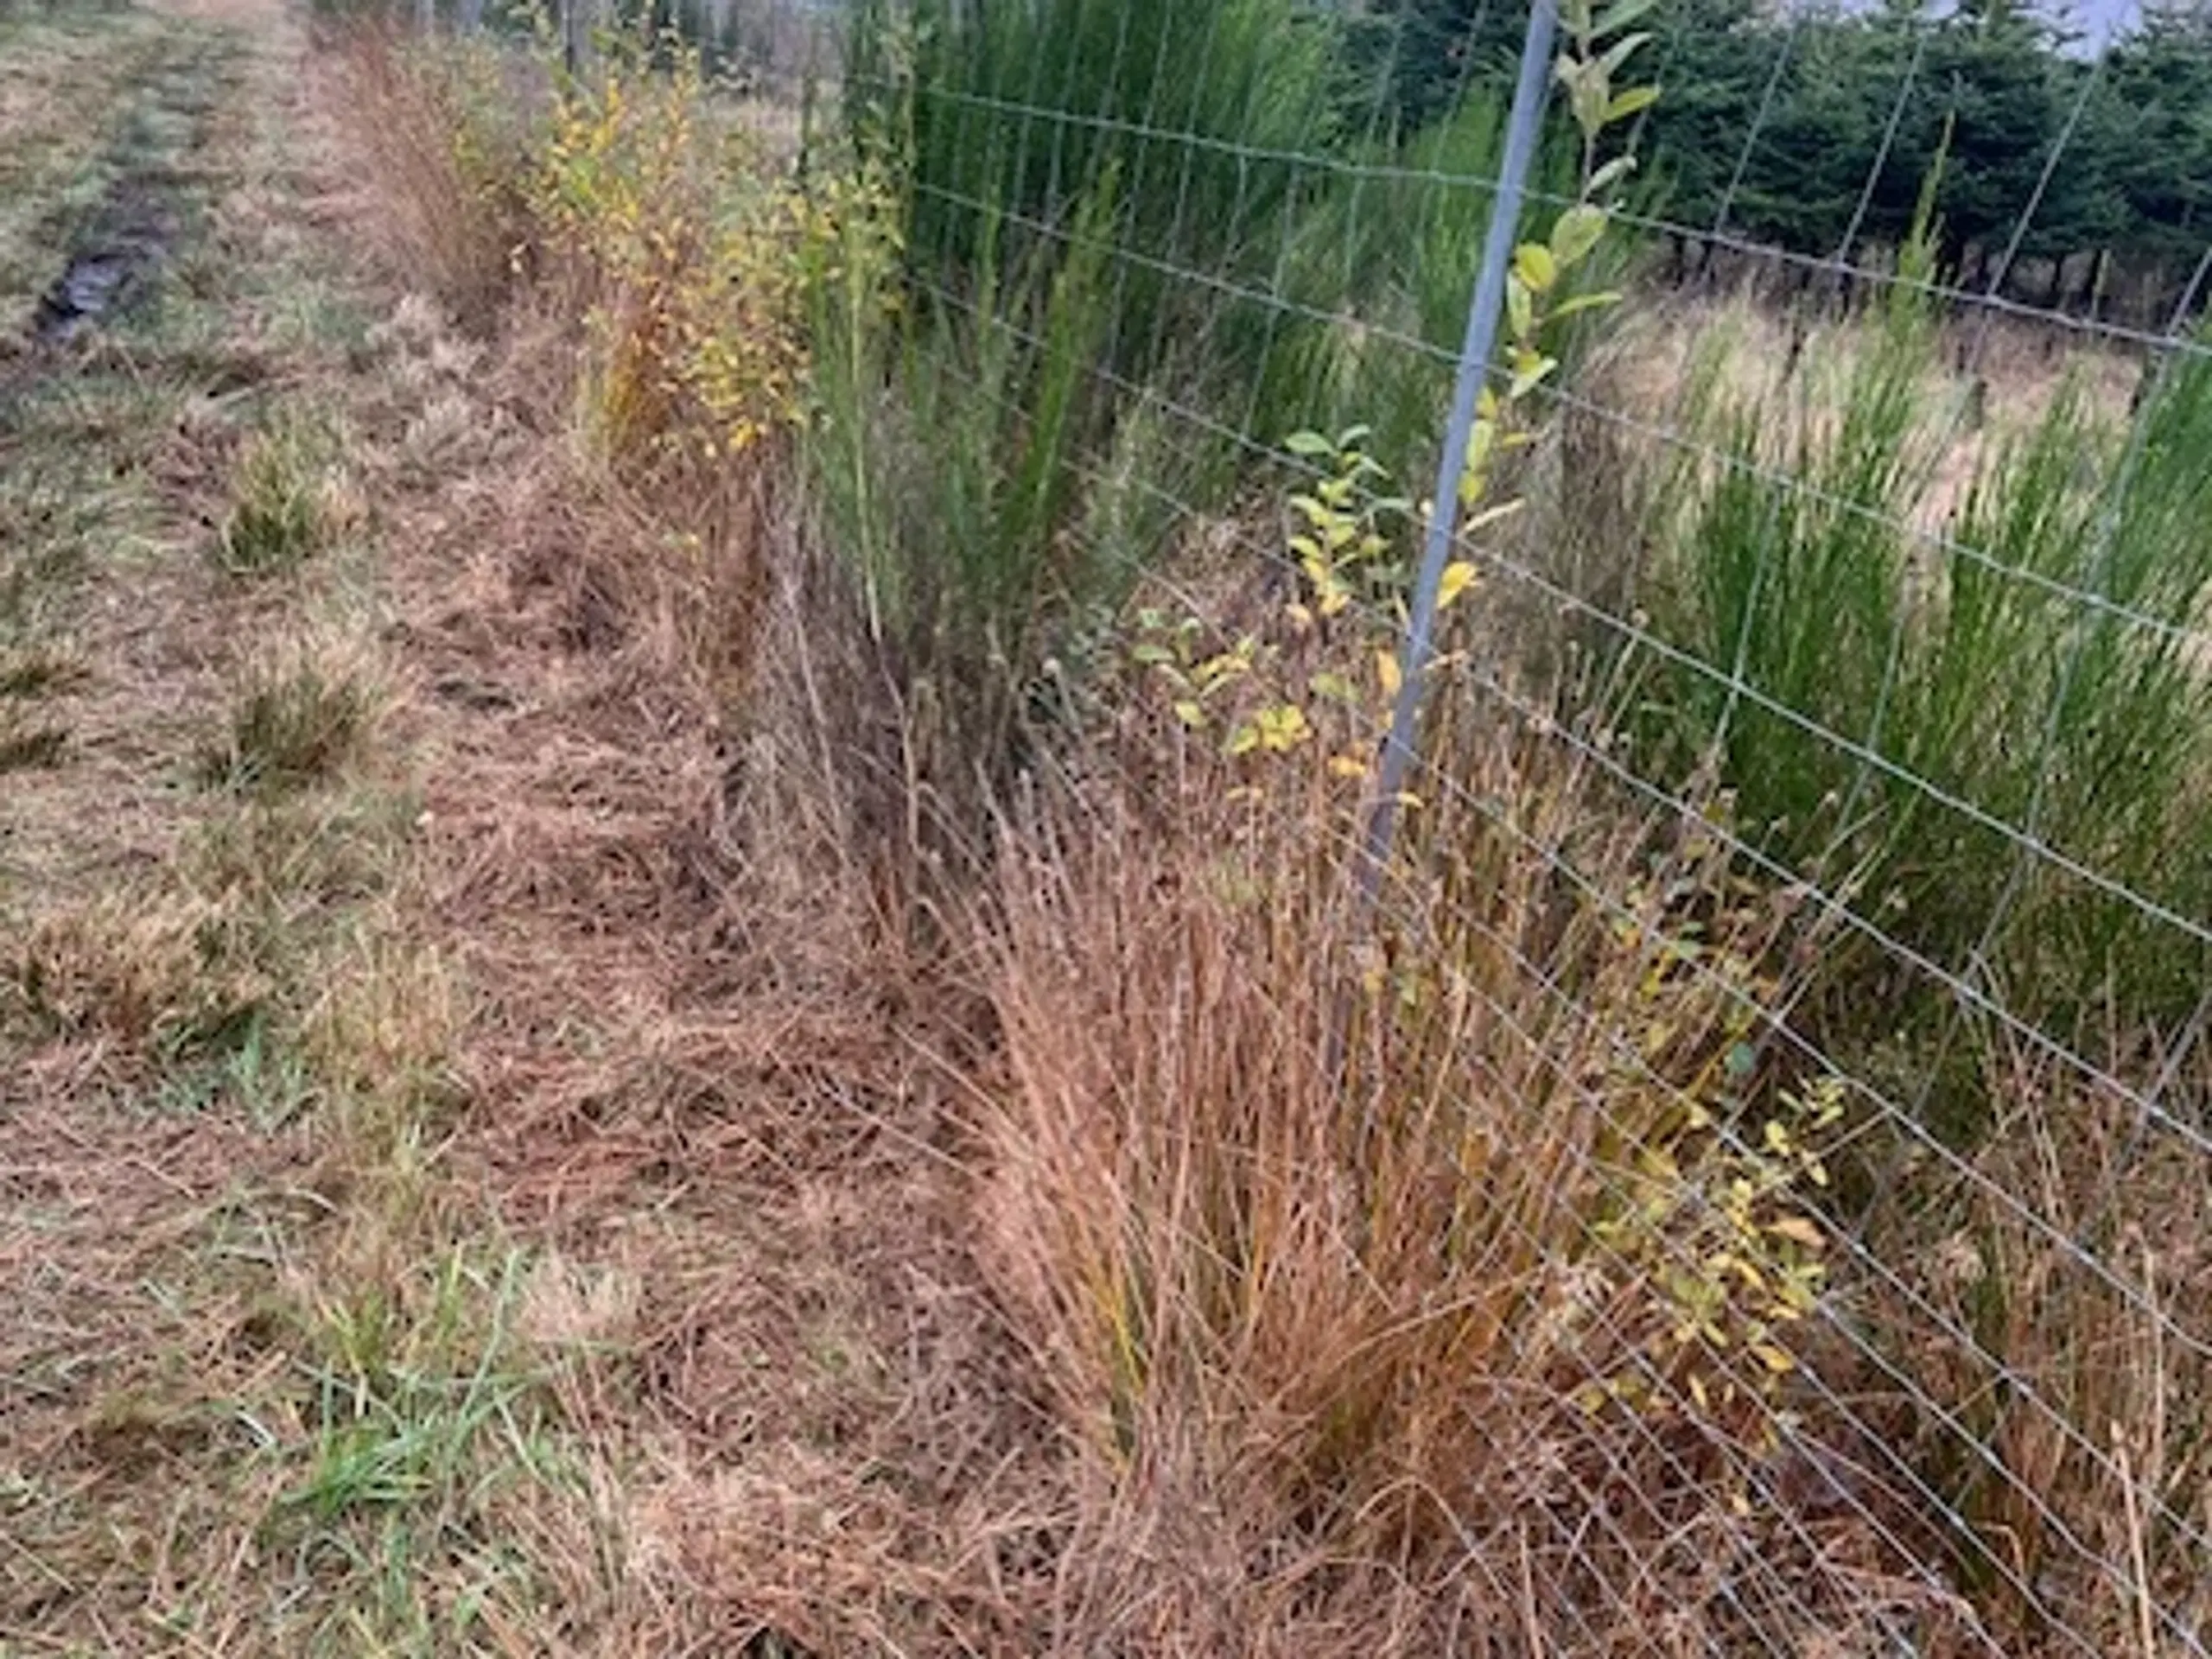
(678, 971)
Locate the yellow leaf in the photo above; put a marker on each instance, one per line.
(1490, 516)
(1520, 309)
(1348, 765)
(1387, 674)
(1482, 441)
(1533, 264)
(1797, 1230)
(1529, 367)
(1579, 230)
(1458, 576)
(1190, 715)
(1283, 727)
(1773, 1358)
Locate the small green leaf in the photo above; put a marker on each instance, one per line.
(1481, 442)
(1620, 14)
(1628, 103)
(1590, 94)
(1580, 229)
(1309, 445)
(1283, 728)
(1533, 264)
(1567, 309)
(1620, 53)
(1520, 307)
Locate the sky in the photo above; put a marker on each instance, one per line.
(2096, 21)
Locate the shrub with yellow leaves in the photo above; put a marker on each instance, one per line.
(694, 254)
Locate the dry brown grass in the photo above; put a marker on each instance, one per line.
(1308, 1233)
(678, 1079)
(445, 214)
(2053, 1298)
(1988, 383)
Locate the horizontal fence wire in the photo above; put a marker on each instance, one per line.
(1480, 189)
(1884, 1109)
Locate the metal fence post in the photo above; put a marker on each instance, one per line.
(1521, 131)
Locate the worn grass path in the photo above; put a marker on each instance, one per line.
(446, 1205)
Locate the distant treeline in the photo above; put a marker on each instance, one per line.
(1813, 128)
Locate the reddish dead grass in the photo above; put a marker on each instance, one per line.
(1317, 1270)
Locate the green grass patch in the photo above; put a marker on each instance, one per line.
(281, 490)
(299, 718)
(1998, 740)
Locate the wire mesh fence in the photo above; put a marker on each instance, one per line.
(1866, 579)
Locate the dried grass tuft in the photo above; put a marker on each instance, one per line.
(304, 712)
(1329, 1245)
(439, 139)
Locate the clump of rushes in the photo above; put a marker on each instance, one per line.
(1371, 1244)
(2005, 740)
(1011, 117)
(1370, 1250)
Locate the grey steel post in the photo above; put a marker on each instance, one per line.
(1483, 311)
